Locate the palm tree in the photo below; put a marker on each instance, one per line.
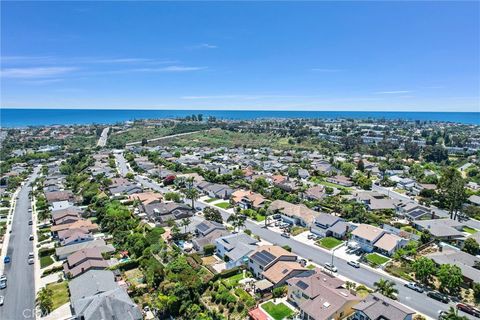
(452, 314)
(192, 194)
(44, 300)
(387, 288)
(185, 222)
(237, 220)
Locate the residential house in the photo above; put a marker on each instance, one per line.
(320, 296)
(465, 261)
(266, 256)
(95, 295)
(247, 199)
(235, 249)
(55, 196)
(206, 233)
(82, 261)
(378, 307)
(442, 229)
(327, 225)
(366, 236)
(63, 252)
(146, 197)
(215, 190)
(80, 224)
(315, 193)
(164, 212)
(296, 214)
(279, 272)
(340, 180)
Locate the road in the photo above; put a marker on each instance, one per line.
(102, 141)
(20, 292)
(417, 301)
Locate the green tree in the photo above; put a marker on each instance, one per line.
(45, 301)
(212, 214)
(424, 269)
(452, 314)
(347, 169)
(471, 246)
(237, 220)
(192, 194)
(476, 291)
(452, 189)
(450, 277)
(387, 288)
(185, 222)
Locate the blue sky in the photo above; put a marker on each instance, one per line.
(385, 56)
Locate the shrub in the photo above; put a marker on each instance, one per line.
(248, 231)
(287, 247)
(125, 266)
(46, 252)
(209, 249)
(197, 258)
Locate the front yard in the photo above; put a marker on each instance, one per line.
(329, 242)
(375, 259)
(469, 230)
(277, 311)
(45, 261)
(59, 293)
(223, 205)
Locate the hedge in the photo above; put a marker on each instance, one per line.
(52, 270)
(46, 252)
(228, 273)
(287, 247)
(209, 249)
(197, 258)
(125, 266)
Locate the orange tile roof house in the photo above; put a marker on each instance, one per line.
(321, 296)
(84, 224)
(281, 271)
(84, 260)
(297, 214)
(248, 199)
(146, 197)
(55, 196)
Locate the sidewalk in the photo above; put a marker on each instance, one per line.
(6, 239)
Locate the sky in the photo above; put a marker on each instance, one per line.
(360, 56)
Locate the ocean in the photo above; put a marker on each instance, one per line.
(38, 117)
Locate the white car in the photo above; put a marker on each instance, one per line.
(31, 261)
(354, 263)
(30, 255)
(3, 277)
(2, 299)
(330, 267)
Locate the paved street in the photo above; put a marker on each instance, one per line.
(102, 141)
(20, 292)
(417, 301)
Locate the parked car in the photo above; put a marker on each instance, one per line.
(3, 277)
(414, 286)
(3, 284)
(30, 255)
(6, 259)
(354, 263)
(276, 216)
(468, 309)
(277, 223)
(31, 261)
(302, 262)
(2, 300)
(285, 234)
(442, 314)
(311, 236)
(330, 267)
(438, 296)
(30, 222)
(31, 237)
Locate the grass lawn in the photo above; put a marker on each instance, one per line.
(223, 205)
(297, 230)
(277, 311)
(310, 267)
(245, 297)
(59, 293)
(259, 217)
(329, 242)
(210, 200)
(469, 230)
(376, 259)
(45, 261)
(233, 280)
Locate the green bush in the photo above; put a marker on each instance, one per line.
(287, 247)
(127, 265)
(51, 270)
(209, 249)
(197, 258)
(46, 252)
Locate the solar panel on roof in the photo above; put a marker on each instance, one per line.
(416, 213)
(263, 257)
(202, 227)
(302, 285)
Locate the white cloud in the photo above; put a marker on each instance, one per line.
(167, 69)
(393, 92)
(35, 72)
(205, 46)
